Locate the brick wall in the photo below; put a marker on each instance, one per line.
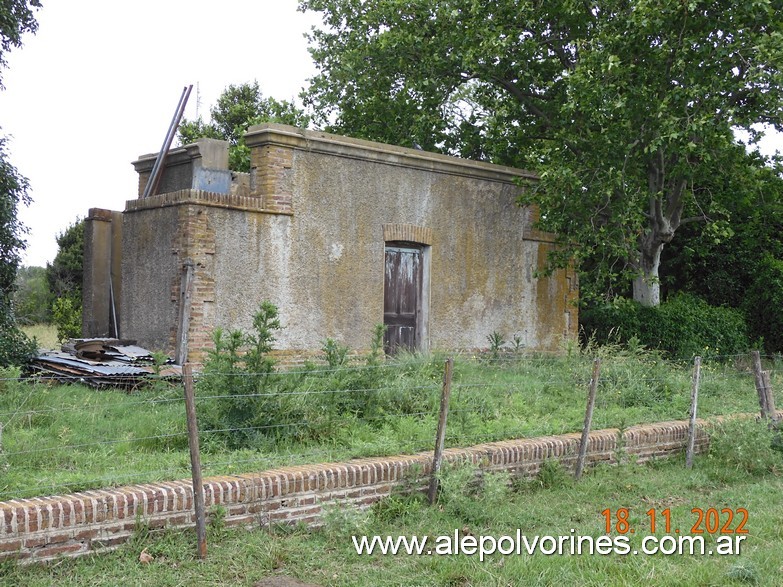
(270, 177)
(40, 529)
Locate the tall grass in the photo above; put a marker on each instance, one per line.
(44, 334)
(551, 505)
(62, 438)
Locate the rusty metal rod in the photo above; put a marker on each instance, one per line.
(156, 173)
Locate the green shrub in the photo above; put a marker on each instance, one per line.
(744, 447)
(241, 403)
(471, 495)
(16, 348)
(693, 327)
(245, 403)
(683, 326)
(67, 317)
(377, 353)
(618, 320)
(336, 353)
(764, 305)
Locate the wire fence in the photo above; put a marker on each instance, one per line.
(57, 438)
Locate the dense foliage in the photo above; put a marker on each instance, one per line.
(16, 19)
(65, 273)
(246, 404)
(15, 347)
(64, 276)
(683, 326)
(623, 108)
(763, 304)
(727, 261)
(32, 301)
(238, 108)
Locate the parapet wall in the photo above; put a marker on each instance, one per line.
(40, 529)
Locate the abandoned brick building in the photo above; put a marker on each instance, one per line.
(341, 234)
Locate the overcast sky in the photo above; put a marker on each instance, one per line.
(98, 84)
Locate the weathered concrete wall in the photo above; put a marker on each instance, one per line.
(101, 282)
(310, 237)
(150, 267)
(202, 165)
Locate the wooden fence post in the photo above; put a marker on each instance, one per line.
(580, 461)
(694, 403)
(758, 375)
(769, 396)
(440, 437)
(185, 303)
(195, 461)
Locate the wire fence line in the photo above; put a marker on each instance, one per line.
(58, 438)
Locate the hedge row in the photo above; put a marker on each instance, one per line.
(683, 326)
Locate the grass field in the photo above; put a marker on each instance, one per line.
(741, 471)
(61, 438)
(45, 334)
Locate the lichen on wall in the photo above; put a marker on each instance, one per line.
(311, 233)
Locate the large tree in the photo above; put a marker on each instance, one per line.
(623, 107)
(14, 345)
(16, 19)
(64, 274)
(237, 108)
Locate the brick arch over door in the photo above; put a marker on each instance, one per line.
(411, 233)
(406, 286)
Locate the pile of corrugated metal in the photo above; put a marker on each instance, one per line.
(101, 362)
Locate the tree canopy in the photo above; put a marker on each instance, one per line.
(32, 301)
(64, 274)
(239, 107)
(16, 18)
(624, 108)
(14, 345)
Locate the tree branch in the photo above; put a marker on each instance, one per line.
(522, 97)
(691, 219)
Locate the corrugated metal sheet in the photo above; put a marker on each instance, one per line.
(100, 363)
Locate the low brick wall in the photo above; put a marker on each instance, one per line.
(40, 529)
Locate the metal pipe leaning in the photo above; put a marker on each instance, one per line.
(155, 175)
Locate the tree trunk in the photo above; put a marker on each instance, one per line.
(664, 216)
(647, 286)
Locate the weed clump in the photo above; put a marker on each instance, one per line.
(741, 448)
(246, 403)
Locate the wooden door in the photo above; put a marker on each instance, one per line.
(402, 297)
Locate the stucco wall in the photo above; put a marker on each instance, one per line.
(150, 263)
(310, 238)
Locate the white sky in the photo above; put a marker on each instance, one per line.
(98, 84)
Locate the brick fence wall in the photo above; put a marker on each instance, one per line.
(40, 529)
